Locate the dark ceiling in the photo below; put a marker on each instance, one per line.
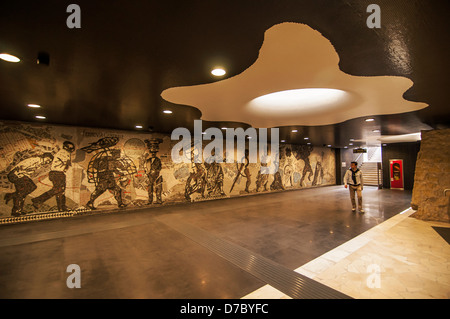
(111, 72)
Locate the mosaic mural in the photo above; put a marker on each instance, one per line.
(71, 169)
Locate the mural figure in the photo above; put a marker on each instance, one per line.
(20, 176)
(318, 173)
(196, 182)
(303, 152)
(288, 170)
(214, 175)
(60, 164)
(262, 179)
(243, 168)
(153, 169)
(104, 167)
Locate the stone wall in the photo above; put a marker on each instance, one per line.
(432, 177)
(66, 170)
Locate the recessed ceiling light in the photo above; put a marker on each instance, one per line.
(218, 72)
(40, 117)
(370, 120)
(34, 105)
(345, 146)
(308, 143)
(294, 131)
(138, 126)
(9, 58)
(167, 111)
(350, 143)
(306, 138)
(224, 128)
(329, 145)
(282, 141)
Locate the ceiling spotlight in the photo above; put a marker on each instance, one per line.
(224, 128)
(350, 143)
(218, 72)
(306, 138)
(370, 120)
(283, 141)
(167, 111)
(294, 131)
(40, 117)
(9, 58)
(36, 106)
(329, 145)
(138, 126)
(345, 146)
(308, 143)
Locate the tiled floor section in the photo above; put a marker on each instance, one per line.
(402, 258)
(134, 254)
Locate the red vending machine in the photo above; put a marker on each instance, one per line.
(396, 173)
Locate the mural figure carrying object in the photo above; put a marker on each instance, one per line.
(196, 182)
(104, 167)
(20, 176)
(60, 165)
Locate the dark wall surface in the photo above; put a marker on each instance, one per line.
(408, 153)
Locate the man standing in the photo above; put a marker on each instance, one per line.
(354, 178)
(61, 163)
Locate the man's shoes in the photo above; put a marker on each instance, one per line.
(353, 210)
(361, 211)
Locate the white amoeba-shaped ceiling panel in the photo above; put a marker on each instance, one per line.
(296, 80)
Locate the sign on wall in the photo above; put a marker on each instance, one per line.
(396, 173)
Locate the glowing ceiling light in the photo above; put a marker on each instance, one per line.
(370, 120)
(9, 58)
(40, 117)
(36, 106)
(138, 126)
(294, 131)
(218, 72)
(299, 101)
(167, 111)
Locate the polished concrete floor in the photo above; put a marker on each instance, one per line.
(145, 253)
